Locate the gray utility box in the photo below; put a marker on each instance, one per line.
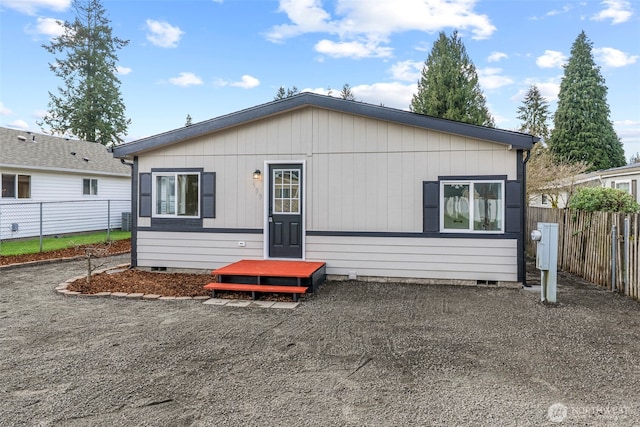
(126, 221)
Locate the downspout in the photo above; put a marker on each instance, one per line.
(134, 210)
(523, 226)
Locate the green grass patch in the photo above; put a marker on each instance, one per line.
(32, 246)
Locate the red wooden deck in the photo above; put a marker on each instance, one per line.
(270, 268)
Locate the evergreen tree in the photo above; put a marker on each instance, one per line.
(448, 87)
(282, 93)
(347, 93)
(89, 105)
(534, 113)
(582, 128)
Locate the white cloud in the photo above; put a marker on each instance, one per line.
(408, 71)
(613, 57)
(497, 56)
(548, 89)
(363, 26)
(4, 111)
(18, 124)
(392, 94)
(186, 79)
(618, 11)
(354, 49)
(246, 82)
(123, 71)
(491, 78)
(30, 7)
(566, 8)
(163, 34)
(551, 59)
(49, 27)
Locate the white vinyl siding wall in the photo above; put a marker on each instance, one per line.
(74, 213)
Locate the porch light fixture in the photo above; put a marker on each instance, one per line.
(257, 174)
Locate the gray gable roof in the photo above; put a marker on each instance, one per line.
(515, 139)
(27, 150)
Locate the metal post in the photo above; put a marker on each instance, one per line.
(626, 256)
(40, 226)
(614, 244)
(108, 220)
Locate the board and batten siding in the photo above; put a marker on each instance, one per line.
(362, 174)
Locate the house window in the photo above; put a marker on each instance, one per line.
(623, 185)
(90, 187)
(472, 206)
(176, 194)
(16, 185)
(545, 199)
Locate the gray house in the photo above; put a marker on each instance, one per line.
(70, 183)
(372, 191)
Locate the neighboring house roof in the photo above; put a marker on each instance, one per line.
(27, 150)
(631, 169)
(514, 139)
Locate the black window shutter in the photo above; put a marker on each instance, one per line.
(145, 195)
(208, 195)
(431, 201)
(513, 211)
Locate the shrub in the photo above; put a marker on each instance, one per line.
(593, 199)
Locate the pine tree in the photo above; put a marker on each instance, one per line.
(281, 93)
(534, 113)
(347, 93)
(89, 105)
(582, 128)
(448, 87)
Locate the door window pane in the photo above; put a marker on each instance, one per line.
(286, 191)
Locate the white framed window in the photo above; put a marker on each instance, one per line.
(472, 206)
(89, 187)
(286, 191)
(623, 185)
(176, 194)
(15, 186)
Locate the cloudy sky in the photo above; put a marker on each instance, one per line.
(206, 58)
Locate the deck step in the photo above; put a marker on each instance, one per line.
(253, 288)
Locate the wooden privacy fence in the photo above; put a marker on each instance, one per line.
(585, 246)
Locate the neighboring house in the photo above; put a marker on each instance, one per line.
(74, 184)
(622, 178)
(372, 191)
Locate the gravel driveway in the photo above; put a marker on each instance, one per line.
(355, 354)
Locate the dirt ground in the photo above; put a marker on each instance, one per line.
(354, 354)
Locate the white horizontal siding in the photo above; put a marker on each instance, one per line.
(196, 250)
(60, 217)
(422, 258)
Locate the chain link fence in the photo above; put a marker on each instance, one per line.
(20, 220)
